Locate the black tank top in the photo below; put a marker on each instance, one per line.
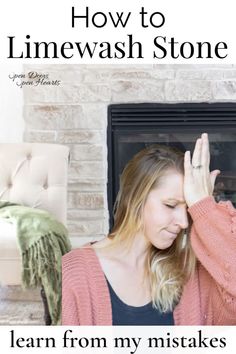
(147, 315)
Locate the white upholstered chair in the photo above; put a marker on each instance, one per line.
(34, 175)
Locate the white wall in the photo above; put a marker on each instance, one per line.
(11, 105)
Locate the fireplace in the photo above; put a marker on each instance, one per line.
(132, 127)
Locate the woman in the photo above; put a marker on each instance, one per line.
(147, 272)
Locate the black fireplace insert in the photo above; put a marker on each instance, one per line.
(132, 127)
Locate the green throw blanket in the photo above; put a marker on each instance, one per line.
(42, 241)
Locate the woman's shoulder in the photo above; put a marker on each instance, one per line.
(78, 257)
(81, 266)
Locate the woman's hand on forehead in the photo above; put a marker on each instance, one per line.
(198, 180)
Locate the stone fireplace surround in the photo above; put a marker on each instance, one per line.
(75, 114)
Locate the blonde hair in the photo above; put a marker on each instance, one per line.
(167, 269)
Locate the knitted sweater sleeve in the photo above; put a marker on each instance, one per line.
(213, 238)
(69, 301)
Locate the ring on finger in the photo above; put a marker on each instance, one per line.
(197, 167)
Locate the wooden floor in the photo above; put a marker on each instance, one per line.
(20, 307)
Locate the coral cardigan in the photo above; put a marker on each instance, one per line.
(208, 298)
